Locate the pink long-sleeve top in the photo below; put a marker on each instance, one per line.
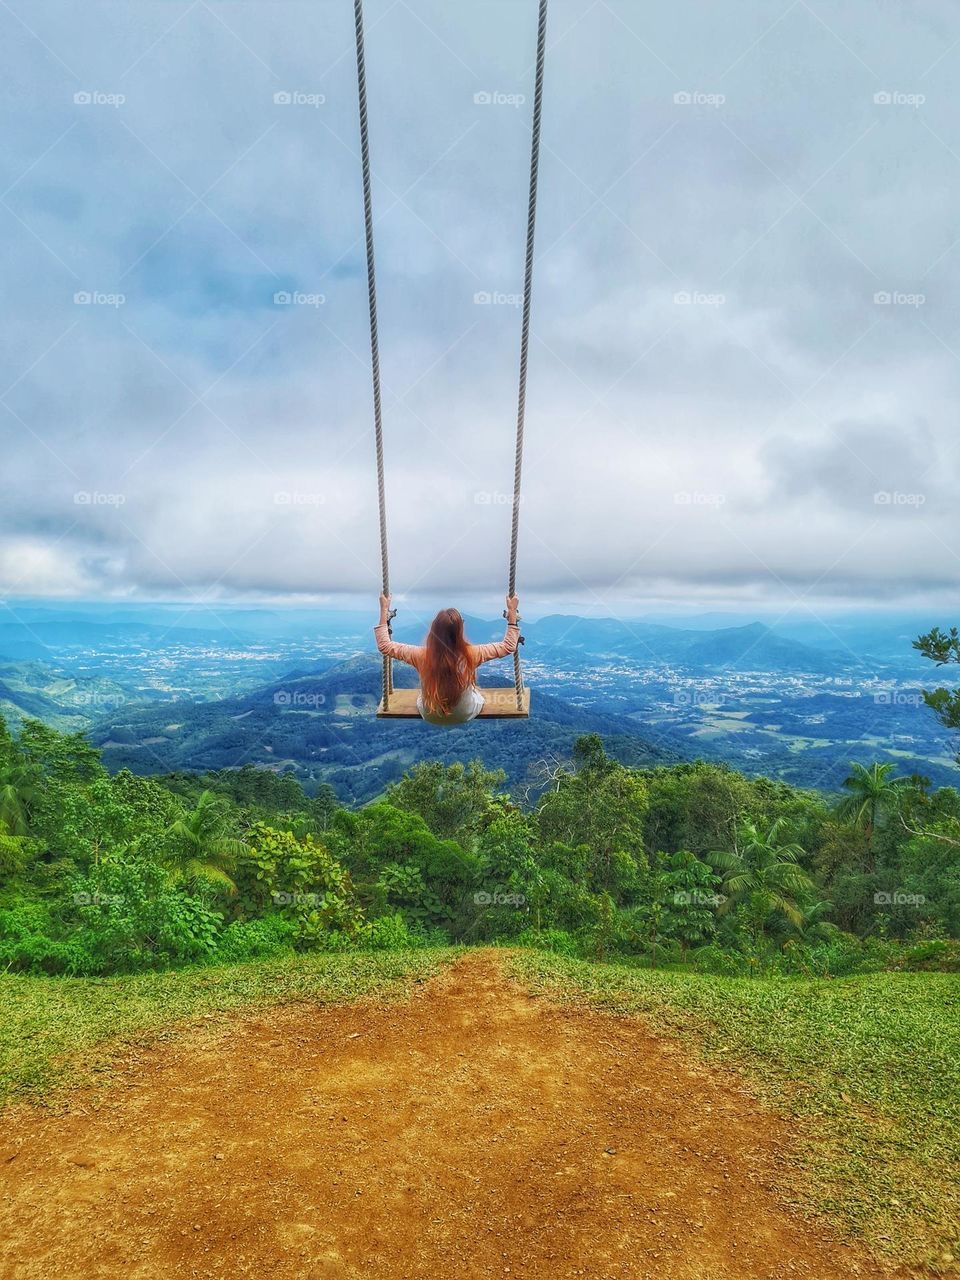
(414, 653)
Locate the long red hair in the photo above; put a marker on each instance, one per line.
(447, 669)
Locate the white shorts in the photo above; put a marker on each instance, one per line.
(467, 708)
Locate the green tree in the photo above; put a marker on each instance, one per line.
(762, 877)
(600, 807)
(652, 918)
(872, 796)
(941, 648)
(813, 925)
(20, 783)
(691, 902)
(510, 875)
(323, 806)
(63, 757)
(381, 833)
(199, 847)
(300, 878)
(454, 800)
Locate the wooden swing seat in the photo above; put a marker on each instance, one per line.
(498, 704)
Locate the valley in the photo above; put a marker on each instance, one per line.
(296, 691)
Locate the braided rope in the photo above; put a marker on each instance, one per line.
(525, 326)
(524, 331)
(374, 337)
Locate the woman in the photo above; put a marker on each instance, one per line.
(447, 663)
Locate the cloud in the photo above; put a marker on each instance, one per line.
(744, 317)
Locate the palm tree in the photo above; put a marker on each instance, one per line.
(764, 877)
(813, 925)
(872, 795)
(199, 848)
(19, 786)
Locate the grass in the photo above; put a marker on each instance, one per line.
(868, 1068)
(59, 1032)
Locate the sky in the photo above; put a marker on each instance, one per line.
(744, 360)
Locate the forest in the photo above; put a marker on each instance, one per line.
(690, 865)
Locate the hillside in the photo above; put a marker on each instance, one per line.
(167, 687)
(462, 1096)
(35, 690)
(754, 647)
(321, 725)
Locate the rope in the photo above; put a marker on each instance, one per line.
(525, 326)
(524, 331)
(374, 338)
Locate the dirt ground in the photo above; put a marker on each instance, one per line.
(474, 1130)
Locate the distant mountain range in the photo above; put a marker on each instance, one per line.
(754, 647)
(323, 728)
(43, 638)
(168, 687)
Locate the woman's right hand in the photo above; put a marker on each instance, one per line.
(513, 607)
(384, 608)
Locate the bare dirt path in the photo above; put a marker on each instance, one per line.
(472, 1131)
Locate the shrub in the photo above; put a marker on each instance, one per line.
(559, 941)
(394, 933)
(27, 944)
(940, 954)
(129, 917)
(714, 959)
(388, 933)
(255, 939)
(303, 879)
(35, 953)
(26, 918)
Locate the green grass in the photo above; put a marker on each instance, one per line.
(868, 1069)
(60, 1032)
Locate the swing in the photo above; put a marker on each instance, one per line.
(499, 703)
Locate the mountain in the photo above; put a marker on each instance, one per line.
(167, 687)
(754, 647)
(33, 690)
(41, 638)
(321, 726)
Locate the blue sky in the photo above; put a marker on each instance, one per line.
(744, 369)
